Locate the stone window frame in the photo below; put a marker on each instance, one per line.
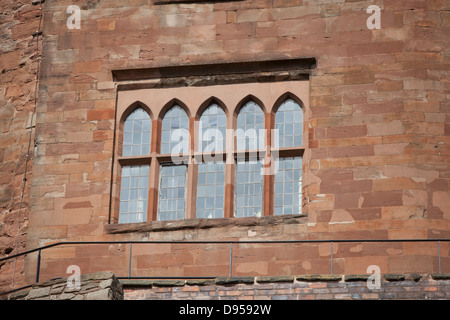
(195, 76)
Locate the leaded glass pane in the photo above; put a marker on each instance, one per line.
(134, 194)
(137, 133)
(210, 190)
(250, 127)
(172, 192)
(248, 189)
(289, 123)
(288, 186)
(175, 131)
(212, 129)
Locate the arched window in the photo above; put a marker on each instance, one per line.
(137, 134)
(137, 129)
(175, 131)
(212, 129)
(288, 176)
(211, 171)
(289, 123)
(250, 127)
(248, 178)
(175, 139)
(247, 159)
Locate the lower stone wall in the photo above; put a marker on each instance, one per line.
(309, 287)
(105, 286)
(95, 286)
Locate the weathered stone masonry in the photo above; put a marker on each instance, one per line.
(310, 287)
(96, 286)
(19, 58)
(105, 286)
(378, 149)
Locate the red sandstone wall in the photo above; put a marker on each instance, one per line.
(19, 19)
(379, 127)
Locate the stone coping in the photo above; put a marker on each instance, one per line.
(95, 286)
(224, 281)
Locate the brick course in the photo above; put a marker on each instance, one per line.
(317, 287)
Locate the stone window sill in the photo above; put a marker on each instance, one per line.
(158, 226)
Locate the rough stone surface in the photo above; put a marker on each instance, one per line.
(19, 58)
(168, 283)
(356, 277)
(274, 279)
(319, 277)
(103, 294)
(98, 286)
(234, 280)
(441, 276)
(394, 277)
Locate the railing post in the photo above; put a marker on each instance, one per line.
(331, 245)
(38, 265)
(129, 261)
(231, 259)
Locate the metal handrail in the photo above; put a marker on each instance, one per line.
(230, 242)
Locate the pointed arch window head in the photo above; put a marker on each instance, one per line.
(250, 127)
(175, 131)
(289, 125)
(212, 129)
(137, 134)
